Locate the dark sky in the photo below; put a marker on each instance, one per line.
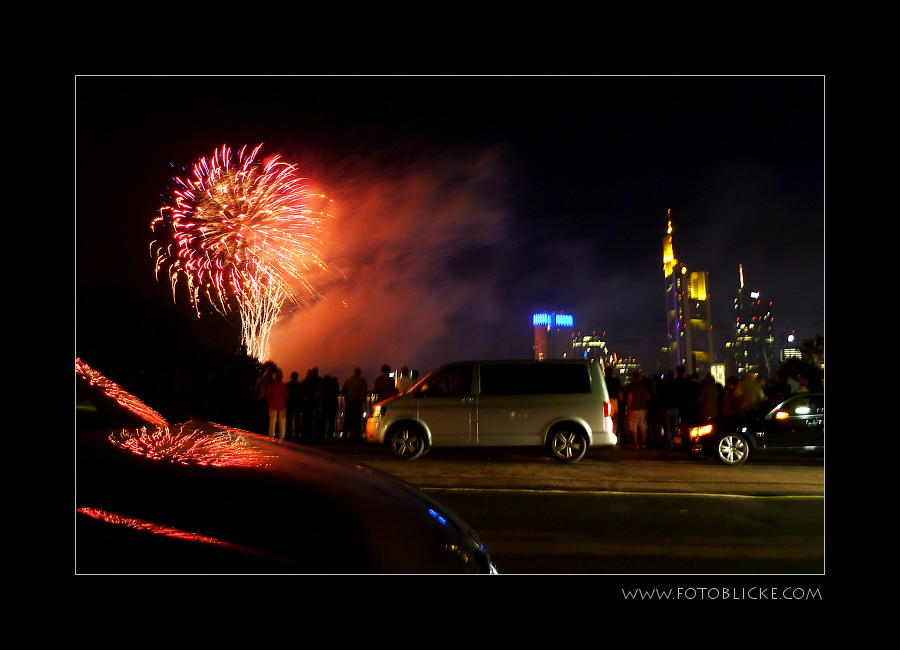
(462, 205)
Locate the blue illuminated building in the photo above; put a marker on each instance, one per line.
(553, 335)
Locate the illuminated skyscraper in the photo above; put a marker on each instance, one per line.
(590, 347)
(754, 338)
(553, 336)
(688, 315)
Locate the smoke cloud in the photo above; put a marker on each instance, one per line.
(421, 250)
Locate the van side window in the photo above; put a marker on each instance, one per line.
(534, 379)
(455, 381)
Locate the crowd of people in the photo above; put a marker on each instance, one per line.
(309, 410)
(649, 411)
(240, 392)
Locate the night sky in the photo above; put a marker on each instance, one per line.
(462, 205)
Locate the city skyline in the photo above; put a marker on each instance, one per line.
(656, 354)
(463, 205)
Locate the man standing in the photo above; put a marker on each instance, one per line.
(673, 398)
(277, 395)
(262, 386)
(748, 392)
(295, 402)
(355, 390)
(309, 407)
(637, 404)
(384, 385)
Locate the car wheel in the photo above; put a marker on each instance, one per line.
(567, 444)
(732, 449)
(406, 442)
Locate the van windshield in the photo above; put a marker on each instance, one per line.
(533, 379)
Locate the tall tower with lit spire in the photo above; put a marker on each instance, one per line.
(689, 337)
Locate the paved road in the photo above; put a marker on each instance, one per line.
(603, 469)
(565, 532)
(625, 511)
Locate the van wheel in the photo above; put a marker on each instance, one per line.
(567, 444)
(406, 442)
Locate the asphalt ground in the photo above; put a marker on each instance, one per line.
(615, 469)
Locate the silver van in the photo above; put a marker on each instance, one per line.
(563, 405)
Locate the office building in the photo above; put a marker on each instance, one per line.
(753, 349)
(625, 366)
(590, 347)
(553, 335)
(689, 340)
(790, 350)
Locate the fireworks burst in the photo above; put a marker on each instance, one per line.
(241, 234)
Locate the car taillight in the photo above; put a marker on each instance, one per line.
(607, 409)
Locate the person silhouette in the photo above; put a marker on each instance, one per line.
(295, 401)
(355, 391)
(277, 396)
(384, 385)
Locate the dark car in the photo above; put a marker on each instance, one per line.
(795, 426)
(154, 497)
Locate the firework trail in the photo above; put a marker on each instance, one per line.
(242, 235)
